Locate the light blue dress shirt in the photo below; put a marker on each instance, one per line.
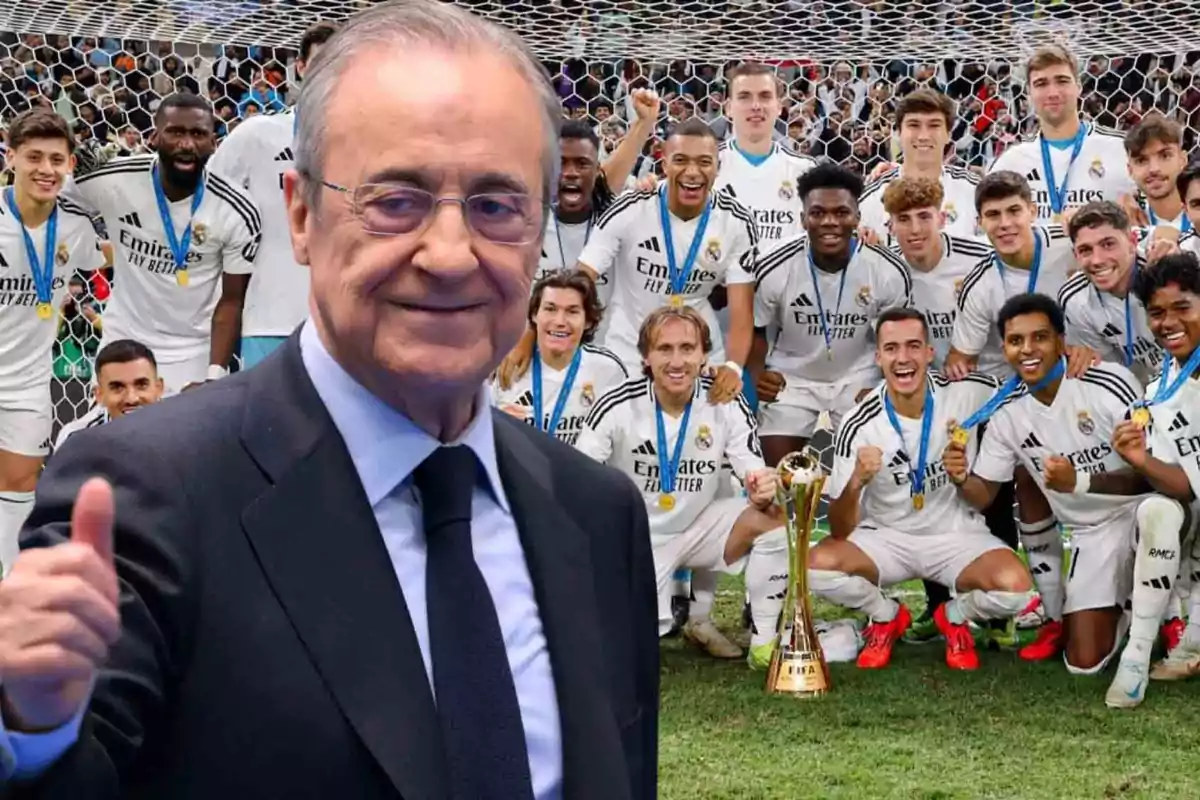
(385, 447)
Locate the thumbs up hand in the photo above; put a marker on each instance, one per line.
(59, 617)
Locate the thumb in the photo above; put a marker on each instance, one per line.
(92, 518)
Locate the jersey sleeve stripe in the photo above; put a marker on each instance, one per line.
(1054, 233)
(1079, 282)
(241, 204)
(870, 409)
(605, 353)
(738, 211)
(968, 247)
(1115, 385)
(898, 263)
(962, 174)
(625, 201)
(622, 393)
(982, 378)
(73, 208)
(770, 261)
(973, 277)
(116, 168)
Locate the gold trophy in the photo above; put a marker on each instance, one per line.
(798, 666)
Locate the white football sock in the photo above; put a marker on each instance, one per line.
(853, 591)
(14, 510)
(704, 590)
(978, 605)
(1155, 567)
(1044, 549)
(766, 584)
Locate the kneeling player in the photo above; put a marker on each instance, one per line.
(664, 432)
(1060, 429)
(897, 517)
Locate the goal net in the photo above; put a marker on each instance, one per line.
(105, 65)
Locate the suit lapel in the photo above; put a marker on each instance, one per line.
(556, 551)
(321, 550)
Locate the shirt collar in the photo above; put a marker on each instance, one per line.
(385, 445)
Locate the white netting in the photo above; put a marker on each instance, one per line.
(105, 65)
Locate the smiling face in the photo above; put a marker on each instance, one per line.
(830, 217)
(916, 230)
(923, 138)
(1107, 255)
(1031, 346)
(1008, 223)
(691, 168)
(675, 356)
(753, 106)
(1156, 167)
(560, 321)
(40, 166)
(1054, 92)
(1173, 314)
(127, 386)
(904, 354)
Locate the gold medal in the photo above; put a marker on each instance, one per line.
(666, 501)
(1140, 416)
(181, 277)
(1057, 218)
(918, 502)
(960, 436)
(45, 311)
(829, 353)
(676, 301)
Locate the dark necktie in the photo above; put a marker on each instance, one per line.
(476, 697)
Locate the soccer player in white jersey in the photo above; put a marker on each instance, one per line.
(185, 240)
(822, 290)
(569, 373)
(938, 262)
(663, 431)
(924, 120)
(1069, 162)
(44, 240)
(895, 516)
(754, 168)
(1061, 430)
(255, 156)
(126, 379)
(1156, 158)
(675, 245)
(1026, 257)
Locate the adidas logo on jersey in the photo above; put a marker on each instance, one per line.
(3, 262)
(1158, 583)
(1111, 330)
(1179, 423)
(132, 220)
(646, 448)
(651, 244)
(285, 155)
(1033, 176)
(1031, 441)
(899, 460)
(802, 301)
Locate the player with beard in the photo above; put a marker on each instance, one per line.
(44, 240)
(569, 373)
(896, 516)
(1069, 162)
(662, 430)
(754, 168)
(823, 291)
(185, 240)
(126, 379)
(1060, 429)
(256, 155)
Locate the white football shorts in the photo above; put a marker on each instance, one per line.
(941, 557)
(1101, 570)
(701, 546)
(179, 374)
(797, 408)
(26, 420)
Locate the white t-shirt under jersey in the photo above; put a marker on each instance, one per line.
(564, 242)
(768, 189)
(875, 279)
(147, 303)
(622, 431)
(26, 340)
(958, 188)
(1096, 319)
(1101, 172)
(628, 243)
(599, 371)
(1078, 425)
(254, 157)
(887, 500)
(935, 291)
(1175, 430)
(986, 289)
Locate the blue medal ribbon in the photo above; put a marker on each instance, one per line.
(179, 244)
(1167, 390)
(1034, 268)
(1056, 190)
(812, 272)
(668, 468)
(1129, 316)
(677, 277)
(916, 473)
(1184, 226)
(563, 393)
(41, 268)
(989, 408)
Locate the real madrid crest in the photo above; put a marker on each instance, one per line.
(587, 395)
(1087, 425)
(863, 298)
(787, 190)
(957, 288)
(951, 213)
(704, 439)
(62, 254)
(1096, 170)
(712, 250)
(199, 232)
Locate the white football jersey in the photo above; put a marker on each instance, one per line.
(622, 431)
(887, 500)
(935, 292)
(628, 243)
(768, 190)
(1101, 172)
(1096, 319)
(95, 416)
(1174, 436)
(148, 303)
(26, 340)
(1190, 243)
(786, 299)
(987, 288)
(958, 189)
(254, 157)
(1078, 425)
(599, 371)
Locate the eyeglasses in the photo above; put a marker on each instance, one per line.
(391, 209)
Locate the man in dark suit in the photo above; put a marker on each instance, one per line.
(340, 574)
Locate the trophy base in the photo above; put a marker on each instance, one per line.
(800, 673)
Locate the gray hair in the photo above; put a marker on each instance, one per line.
(393, 27)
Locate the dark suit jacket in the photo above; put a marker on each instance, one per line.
(267, 651)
